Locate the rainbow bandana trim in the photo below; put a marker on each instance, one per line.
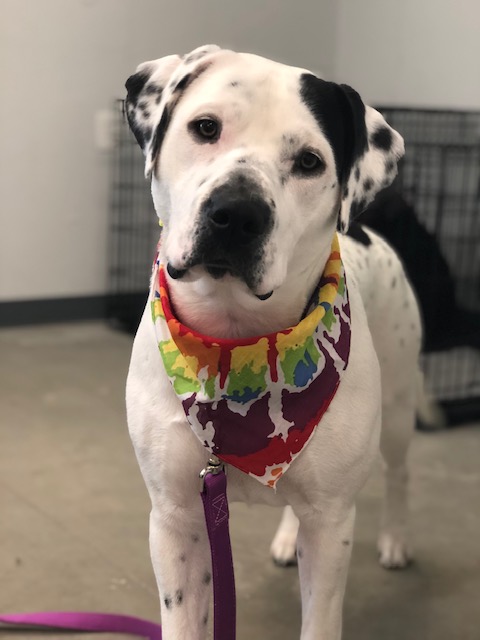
(254, 402)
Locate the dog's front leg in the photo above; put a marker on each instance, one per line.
(181, 560)
(324, 549)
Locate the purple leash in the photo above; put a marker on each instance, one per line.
(214, 498)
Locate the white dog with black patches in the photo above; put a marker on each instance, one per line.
(253, 166)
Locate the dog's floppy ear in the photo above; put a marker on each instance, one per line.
(366, 149)
(149, 94)
(144, 95)
(377, 148)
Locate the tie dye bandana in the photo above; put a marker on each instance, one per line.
(254, 402)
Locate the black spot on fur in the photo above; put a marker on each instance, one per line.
(357, 233)
(195, 537)
(146, 113)
(389, 166)
(158, 99)
(334, 184)
(394, 283)
(183, 557)
(193, 57)
(178, 597)
(357, 174)
(345, 192)
(161, 130)
(152, 88)
(167, 601)
(184, 82)
(300, 553)
(242, 161)
(234, 83)
(205, 620)
(340, 113)
(290, 140)
(367, 184)
(382, 138)
(207, 577)
(346, 543)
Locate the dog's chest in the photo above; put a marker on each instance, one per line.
(255, 402)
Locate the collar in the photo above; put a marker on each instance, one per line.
(254, 402)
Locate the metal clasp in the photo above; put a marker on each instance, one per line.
(214, 467)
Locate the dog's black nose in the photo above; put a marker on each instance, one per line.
(238, 221)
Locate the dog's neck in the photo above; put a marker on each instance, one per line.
(226, 308)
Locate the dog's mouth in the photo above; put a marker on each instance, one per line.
(217, 269)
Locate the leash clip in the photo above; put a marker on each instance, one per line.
(214, 467)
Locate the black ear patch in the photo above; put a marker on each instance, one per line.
(140, 102)
(365, 148)
(135, 84)
(340, 114)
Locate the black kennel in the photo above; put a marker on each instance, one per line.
(440, 180)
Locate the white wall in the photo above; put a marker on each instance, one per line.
(63, 60)
(410, 52)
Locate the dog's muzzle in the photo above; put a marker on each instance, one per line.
(235, 222)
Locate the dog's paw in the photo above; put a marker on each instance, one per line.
(284, 549)
(393, 551)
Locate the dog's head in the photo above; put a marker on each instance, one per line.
(253, 163)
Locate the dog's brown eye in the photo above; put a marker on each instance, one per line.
(207, 129)
(309, 162)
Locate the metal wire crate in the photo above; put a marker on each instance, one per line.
(134, 230)
(440, 177)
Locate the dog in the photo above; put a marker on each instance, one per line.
(253, 167)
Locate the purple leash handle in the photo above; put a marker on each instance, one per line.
(214, 498)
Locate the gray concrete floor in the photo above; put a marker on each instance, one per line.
(74, 511)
